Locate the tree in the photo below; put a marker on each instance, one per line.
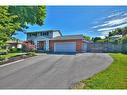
(119, 31)
(87, 38)
(110, 34)
(16, 18)
(7, 24)
(96, 39)
(28, 15)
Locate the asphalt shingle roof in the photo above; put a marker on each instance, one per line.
(67, 37)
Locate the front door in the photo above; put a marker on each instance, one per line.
(41, 45)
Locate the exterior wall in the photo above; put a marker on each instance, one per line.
(15, 45)
(41, 38)
(55, 34)
(38, 36)
(79, 44)
(47, 34)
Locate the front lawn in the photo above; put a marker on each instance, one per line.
(9, 55)
(3, 50)
(114, 77)
(6, 57)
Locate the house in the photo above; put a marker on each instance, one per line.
(54, 41)
(14, 44)
(116, 37)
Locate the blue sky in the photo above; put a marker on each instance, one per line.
(88, 20)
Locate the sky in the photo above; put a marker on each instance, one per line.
(93, 21)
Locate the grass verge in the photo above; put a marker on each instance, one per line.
(114, 77)
(9, 55)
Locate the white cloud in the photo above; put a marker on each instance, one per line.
(115, 18)
(118, 19)
(112, 28)
(115, 14)
(112, 22)
(116, 22)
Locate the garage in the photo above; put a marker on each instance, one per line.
(65, 47)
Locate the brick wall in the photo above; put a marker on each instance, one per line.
(79, 44)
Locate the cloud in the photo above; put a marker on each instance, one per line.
(115, 13)
(112, 28)
(118, 19)
(113, 22)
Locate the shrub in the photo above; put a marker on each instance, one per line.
(3, 51)
(15, 50)
(28, 47)
(124, 44)
(2, 58)
(124, 48)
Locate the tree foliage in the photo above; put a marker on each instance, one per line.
(28, 15)
(119, 31)
(16, 18)
(96, 39)
(7, 24)
(87, 37)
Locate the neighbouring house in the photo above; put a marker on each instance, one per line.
(116, 37)
(14, 44)
(54, 41)
(22, 45)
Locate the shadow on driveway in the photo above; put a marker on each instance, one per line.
(62, 53)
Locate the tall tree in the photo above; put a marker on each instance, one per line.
(87, 37)
(7, 24)
(96, 39)
(16, 18)
(28, 15)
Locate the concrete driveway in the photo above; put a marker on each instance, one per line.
(52, 71)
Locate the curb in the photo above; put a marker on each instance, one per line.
(11, 63)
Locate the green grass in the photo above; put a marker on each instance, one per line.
(9, 55)
(3, 50)
(114, 77)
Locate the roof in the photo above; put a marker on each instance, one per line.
(44, 31)
(11, 42)
(117, 36)
(68, 37)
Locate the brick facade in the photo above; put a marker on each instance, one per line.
(79, 44)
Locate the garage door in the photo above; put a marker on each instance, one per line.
(65, 47)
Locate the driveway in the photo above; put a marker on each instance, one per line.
(52, 71)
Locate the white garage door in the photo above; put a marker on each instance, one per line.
(65, 47)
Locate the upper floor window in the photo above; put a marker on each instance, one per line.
(44, 33)
(38, 34)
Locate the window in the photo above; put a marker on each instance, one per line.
(34, 34)
(29, 35)
(41, 34)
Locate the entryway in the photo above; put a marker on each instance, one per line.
(41, 45)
